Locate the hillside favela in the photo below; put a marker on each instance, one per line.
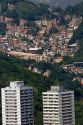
(41, 62)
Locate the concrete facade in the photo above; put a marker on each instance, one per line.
(58, 107)
(17, 104)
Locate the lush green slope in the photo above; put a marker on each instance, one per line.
(14, 69)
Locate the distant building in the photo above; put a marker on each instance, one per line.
(58, 107)
(34, 50)
(17, 104)
(27, 56)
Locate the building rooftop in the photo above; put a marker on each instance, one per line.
(15, 84)
(57, 89)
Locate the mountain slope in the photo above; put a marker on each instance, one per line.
(61, 3)
(27, 10)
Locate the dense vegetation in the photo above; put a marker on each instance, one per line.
(77, 10)
(78, 34)
(14, 69)
(2, 28)
(78, 37)
(26, 10)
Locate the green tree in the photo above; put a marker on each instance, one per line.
(53, 30)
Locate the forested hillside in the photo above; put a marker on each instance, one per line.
(14, 69)
(77, 9)
(26, 10)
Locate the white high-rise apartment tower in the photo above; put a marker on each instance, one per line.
(58, 107)
(17, 104)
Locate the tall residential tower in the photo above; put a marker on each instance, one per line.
(58, 107)
(17, 104)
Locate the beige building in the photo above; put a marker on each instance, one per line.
(58, 107)
(27, 56)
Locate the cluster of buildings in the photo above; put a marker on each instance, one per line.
(77, 68)
(17, 105)
(19, 38)
(64, 36)
(27, 56)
